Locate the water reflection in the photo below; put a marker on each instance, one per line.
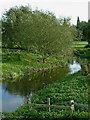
(74, 67)
(34, 82)
(14, 93)
(11, 102)
(0, 97)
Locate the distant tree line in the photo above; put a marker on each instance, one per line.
(83, 30)
(37, 31)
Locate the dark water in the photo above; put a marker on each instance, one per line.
(13, 94)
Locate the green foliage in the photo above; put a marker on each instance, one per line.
(81, 51)
(20, 62)
(84, 54)
(89, 32)
(77, 34)
(83, 29)
(72, 87)
(80, 44)
(37, 31)
(78, 23)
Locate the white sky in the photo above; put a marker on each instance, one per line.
(61, 8)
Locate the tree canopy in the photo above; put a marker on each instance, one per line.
(88, 29)
(37, 31)
(83, 30)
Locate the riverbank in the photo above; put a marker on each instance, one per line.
(73, 86)
(19, 63)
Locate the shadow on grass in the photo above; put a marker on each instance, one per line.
(83, 53)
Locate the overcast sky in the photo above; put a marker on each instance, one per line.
(61, 8)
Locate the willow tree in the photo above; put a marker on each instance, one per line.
(10, 22)
(40, 32)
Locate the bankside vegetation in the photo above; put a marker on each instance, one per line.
(74, 87)
(20, 62)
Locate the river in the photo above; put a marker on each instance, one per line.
(13, 94)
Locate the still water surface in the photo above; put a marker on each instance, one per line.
(13, 94)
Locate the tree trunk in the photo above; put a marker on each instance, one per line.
(43, 59)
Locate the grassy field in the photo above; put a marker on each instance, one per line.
(82, 52)
(74, 87)
(80, 44)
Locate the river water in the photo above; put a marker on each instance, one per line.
(13, 94)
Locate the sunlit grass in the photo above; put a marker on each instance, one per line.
(80, 44)
(19, 62)
(81, 51)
